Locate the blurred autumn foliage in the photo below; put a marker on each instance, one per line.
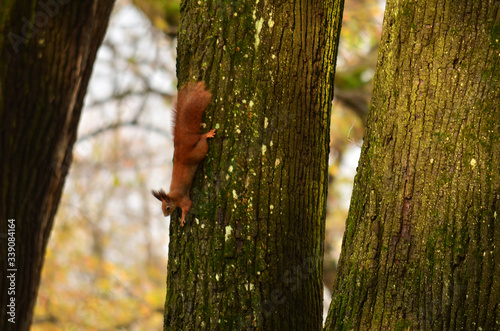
(356, 61)
(106, 262)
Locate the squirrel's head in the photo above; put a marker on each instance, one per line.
(167, 204)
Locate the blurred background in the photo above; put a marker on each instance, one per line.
(106, 263)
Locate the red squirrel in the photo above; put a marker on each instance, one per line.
(190, 147)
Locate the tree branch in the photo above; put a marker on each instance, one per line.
(131, 123)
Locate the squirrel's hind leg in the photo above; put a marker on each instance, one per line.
(210, 134)
(201, 148)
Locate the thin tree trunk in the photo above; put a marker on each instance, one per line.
(422, 245)
(47, 50)
(250, 256)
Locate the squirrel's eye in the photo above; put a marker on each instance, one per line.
(168, 208)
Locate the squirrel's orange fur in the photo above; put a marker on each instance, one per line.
(190, 147)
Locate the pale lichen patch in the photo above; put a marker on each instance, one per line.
(258, 28)
(228, 232)
(270, 23)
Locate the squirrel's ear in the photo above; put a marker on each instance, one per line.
(156, 194)
(160, 194)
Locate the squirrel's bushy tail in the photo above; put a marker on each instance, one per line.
(192, 101)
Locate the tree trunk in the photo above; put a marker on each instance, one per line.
(250, 255)
(421, 249)
(47, 49)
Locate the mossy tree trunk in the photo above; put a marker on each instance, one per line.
(422, 243)
(250, 255)
(47, 49)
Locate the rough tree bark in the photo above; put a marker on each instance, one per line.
(250, 255)
(422, 244)
(47, 49)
